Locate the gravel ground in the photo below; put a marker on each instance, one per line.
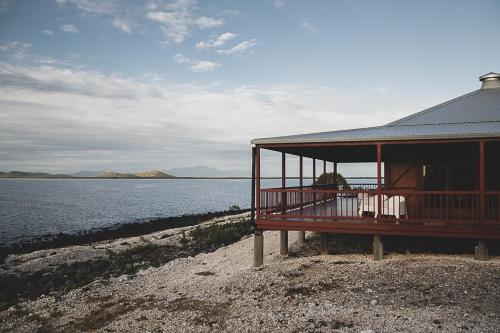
(219, 291)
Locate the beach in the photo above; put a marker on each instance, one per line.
(216, 289)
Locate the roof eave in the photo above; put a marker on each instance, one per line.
(265, 141)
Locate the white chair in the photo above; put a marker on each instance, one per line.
(369, 203)
(395, 206)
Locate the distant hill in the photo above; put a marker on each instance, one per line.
(147, 174)
(204, 171)
(86, 173)
(154, 174)
(22, 174)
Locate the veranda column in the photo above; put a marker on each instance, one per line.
(301, 237)
(283, 233)
(258, 237)
(378, 247)
(314, 180)
(335, 181)
(323, 243)
(481, 251)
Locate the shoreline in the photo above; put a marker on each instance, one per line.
(123, 230)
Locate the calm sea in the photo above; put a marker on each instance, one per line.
(36, 207)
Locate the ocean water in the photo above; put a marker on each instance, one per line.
(35, 207)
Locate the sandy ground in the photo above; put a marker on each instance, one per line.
(219, 291)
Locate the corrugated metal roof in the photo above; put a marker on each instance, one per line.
(476, 114)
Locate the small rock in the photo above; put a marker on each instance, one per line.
(374, 302)
(367, 331)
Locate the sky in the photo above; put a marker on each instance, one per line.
(139, 85)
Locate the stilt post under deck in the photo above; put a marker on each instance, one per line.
(258, 248)
(378, 248)
(323, 243)
(283, 233)
(481, 251)
(301, 234)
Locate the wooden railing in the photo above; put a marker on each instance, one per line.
(396, 206)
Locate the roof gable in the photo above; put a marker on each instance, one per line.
(476, 114)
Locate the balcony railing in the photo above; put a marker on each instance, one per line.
(440, 208)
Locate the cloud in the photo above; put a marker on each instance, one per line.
(309, 27)
(177, 19)
(214, 43)
(94, 7)
(204, 66)
(70, 28)
(381, 90)
(17, 51)
(122, 25)
(279, 3)
(196, 65)
(111, 10)
(48, 32)
(93, 120)
(204, 22)
(239, 48)
(180, 59)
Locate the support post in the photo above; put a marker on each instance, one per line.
(283, 233)
(258, 248)
(257, 182)
(379, 182)
(378, 248)
(326, 180)
(335, 180)
(283, 243)
(481, 184)
(283, 183)
(314, 170)
(481, 251)
(301, 237)
(323, 243)
(252, 204)
(314, 180)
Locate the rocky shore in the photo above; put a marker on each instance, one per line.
(211, 287)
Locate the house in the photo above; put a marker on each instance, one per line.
(438, 175)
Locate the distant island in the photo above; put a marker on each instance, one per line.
(154, 174)
(196, 172)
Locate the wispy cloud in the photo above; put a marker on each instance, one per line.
(307, 26)
(239, 48)
(5, 5)
(179, 58)
(178, 19)
(97, 7)
(214, 43)
(48, 32)
(204, 22)
(122, 25)
(381, 90)
(16, 50)
(70, 28)
(196, 65)
(279, 3)
(204, 66)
